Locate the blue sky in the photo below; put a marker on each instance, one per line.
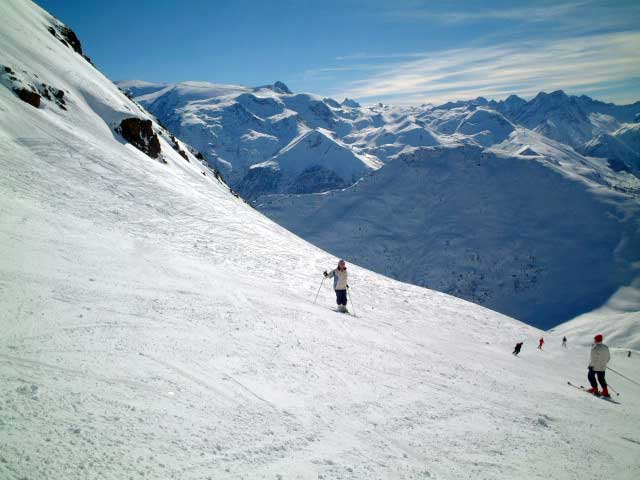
(403, 52)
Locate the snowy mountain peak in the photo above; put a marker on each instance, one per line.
(278, 87)
(347, 102)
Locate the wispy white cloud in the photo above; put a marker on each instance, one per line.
(330, 72)
(579, 63)
(462, 13)
(377, 56)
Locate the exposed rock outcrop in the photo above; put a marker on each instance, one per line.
(28, 87)
(53, 94)
(140, 134)
(29, 96)
(69, 38)
(176, 147)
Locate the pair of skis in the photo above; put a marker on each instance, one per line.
(608, 399)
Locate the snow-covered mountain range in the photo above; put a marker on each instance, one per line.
(153, 325)
(527, 207)
(239, 128)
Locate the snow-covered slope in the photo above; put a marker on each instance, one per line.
(618, 319)
(486, 127)
(534, 237)
(155, 326)
(312, 162)
(621, 148)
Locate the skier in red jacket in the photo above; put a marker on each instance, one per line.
(541, 343)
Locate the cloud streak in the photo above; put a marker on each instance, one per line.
(580, 63)
(539, 13)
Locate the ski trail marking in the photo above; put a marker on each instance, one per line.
(631, 440)
(248, 390)
(25, 362)
(183, 373)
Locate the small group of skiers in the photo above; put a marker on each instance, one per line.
(597, 363)
(599, 351)
(518, 346)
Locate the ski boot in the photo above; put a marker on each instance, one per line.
(605, 392)
(594, 390)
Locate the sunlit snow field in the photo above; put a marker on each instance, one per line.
(152, 325)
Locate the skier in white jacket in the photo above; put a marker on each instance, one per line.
(340, 284)
(597, 366)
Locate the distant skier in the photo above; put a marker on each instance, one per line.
(564, 342)
(340, 284)
(597, 366)
(516, 350)
(540, 343)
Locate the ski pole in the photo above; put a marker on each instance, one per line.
(623, 376)
(351, 300)
(321, 283)
(614, 390)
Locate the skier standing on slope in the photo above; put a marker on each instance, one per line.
(517, 348)
(564, 342)
(340, 284)
(597, 366)
(541, 343)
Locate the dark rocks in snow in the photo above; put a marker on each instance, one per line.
(176, 147)
(199, 156)
(52, 93)
(30, 90)
(183, 154)
(10, 73)
(140, 134)
(68, 37)
(71, 38)
(29, 96)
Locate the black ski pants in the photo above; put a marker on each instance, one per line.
(592, 378)
(341, 297)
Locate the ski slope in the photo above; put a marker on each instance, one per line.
(155, 326)
(618, 319)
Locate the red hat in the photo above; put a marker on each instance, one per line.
(598, 338)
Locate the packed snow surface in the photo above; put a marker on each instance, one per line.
(155, 326)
